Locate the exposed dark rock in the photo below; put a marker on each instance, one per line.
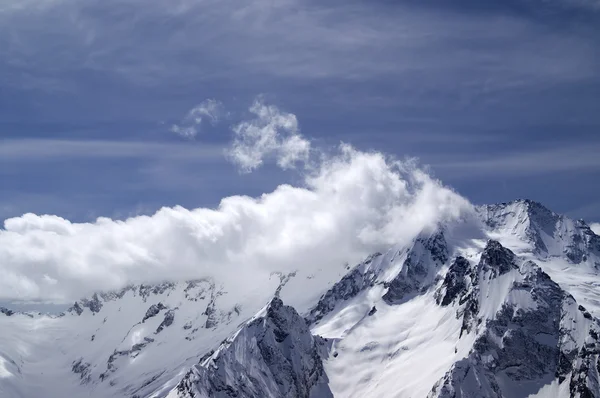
(153, 311)
(197, 289)
(167, 321)
(283, 360)
(6, 311)
(348, 287)
(456, 282)
(497, 258)
(76, 308)
(523, 344)
(211, 315)
(82, 369)
(94, 304)
(422, 262)
(160, 288)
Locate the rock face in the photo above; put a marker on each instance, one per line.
(582, 242)
(456, 282)
(94, 304)
(272, 356)
(419, 268)
(153, 311)
(360, 278)
(167, 321)
(535, 333)
(6, 311)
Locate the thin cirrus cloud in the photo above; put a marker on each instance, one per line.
(531, 162)
(40, 150)
(209, 110)
(350, 200)
(290, 39)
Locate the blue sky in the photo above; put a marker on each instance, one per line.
(500, 99)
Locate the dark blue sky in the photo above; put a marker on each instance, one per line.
(500, 99)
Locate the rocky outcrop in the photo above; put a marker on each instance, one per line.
(153, 311)
(146, 290)
(82, 369)
(497, 260)
(456, 282)
(167, 321)
(534, 336)
(421, 265)
(357, 280)
(273, 356)
(6, 311)
(582, 242)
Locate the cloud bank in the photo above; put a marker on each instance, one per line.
(349, 205)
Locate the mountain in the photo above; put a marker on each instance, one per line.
(273, 355)
(549, 234)
(505, 305)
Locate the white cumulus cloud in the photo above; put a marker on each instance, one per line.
(271, 134)
(210, 110)
(349, 205)
(596, 228)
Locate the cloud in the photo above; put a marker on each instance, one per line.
(210, 109)
(31, 150)
(567, 157)
(350, 204)
(272, 134)
(596, 228)
(291, 39)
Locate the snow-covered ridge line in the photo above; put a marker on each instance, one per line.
(455, 302)
(550, 234)
(531, 336)
(272, 356)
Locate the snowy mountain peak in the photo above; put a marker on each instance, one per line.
(420, 267)
(527, 219)
(401, 271)
(529, 335)
(497, 258)
(506, 308)
(549, 234)
(272, 356)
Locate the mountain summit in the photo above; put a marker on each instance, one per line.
(508, 308)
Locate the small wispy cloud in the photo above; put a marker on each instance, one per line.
(271, 134)
(209, 110)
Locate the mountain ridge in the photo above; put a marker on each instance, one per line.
(465, 293)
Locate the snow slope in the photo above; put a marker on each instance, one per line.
(501, 306)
